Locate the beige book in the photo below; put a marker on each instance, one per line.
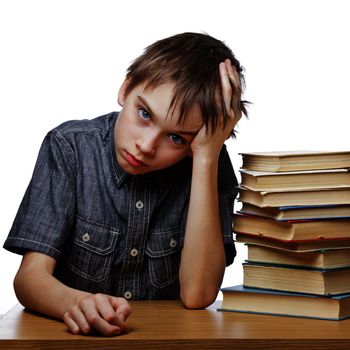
(322, 196)
(322, 259)
(296, 180)
(299, 280)
(298, 212)
(291, 230)
(295, 160)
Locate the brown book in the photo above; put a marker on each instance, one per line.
(295, 160)
(297, 279)
(297, 246)
(297, 180)
(322, 196)
(322, 259)
(286, 213)
(291, 230)
(265, 301)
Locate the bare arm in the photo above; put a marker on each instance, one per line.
(36, 288)
(203, 256)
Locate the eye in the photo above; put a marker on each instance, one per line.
(176, 139)
(143, 114)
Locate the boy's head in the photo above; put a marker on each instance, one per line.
(191, 62)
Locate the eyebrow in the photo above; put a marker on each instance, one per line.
(181, 132)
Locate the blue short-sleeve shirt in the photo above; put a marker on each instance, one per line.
(110, 232)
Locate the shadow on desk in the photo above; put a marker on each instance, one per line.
(168, 325)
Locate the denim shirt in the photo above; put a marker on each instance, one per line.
(110, 232)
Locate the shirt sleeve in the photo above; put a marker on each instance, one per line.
(227, 189)
(47, 209)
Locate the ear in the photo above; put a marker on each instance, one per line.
(122, 92)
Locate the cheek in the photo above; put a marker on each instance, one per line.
(170, 156)
(125, 127)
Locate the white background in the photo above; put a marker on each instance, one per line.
(65, 59)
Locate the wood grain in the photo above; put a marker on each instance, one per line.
(167, 325)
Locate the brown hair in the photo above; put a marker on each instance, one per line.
(191, 61)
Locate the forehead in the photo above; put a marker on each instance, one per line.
(158, 101)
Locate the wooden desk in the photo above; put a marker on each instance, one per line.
(167, 325)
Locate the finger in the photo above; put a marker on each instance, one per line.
(122, 308)
(78, 318)
(108, 309)
(71, 324)
(236, 95)
(90, 309)
(232, 74)
(226, 86)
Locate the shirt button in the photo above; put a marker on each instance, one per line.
(173, 243)
(85, 237)
(134, 252)
(139, 205)
(127, 295)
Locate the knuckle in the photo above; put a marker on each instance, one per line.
(93, 318)
(86, 329)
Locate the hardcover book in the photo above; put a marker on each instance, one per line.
(297, 180)
(295, 160)
(297, 279)
(321, 196)
(291, 230)
(264, 301)
(321, 259)
(296, 246)
(286, 213)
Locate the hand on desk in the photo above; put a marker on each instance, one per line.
(98, 312)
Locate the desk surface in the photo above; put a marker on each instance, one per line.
(166, 324)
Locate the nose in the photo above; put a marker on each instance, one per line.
(147, 143)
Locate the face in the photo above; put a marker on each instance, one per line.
(147, 136)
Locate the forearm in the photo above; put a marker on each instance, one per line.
(38, 290)
(203, 256)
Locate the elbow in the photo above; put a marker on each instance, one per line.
(197, 299)
(19, 288)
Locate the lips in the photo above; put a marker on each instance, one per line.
(133, 161)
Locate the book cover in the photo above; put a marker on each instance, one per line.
(295, 160)
(301, 212)
(293, 245)
(298, 279)
(320, 196)
(297, 180)
(291, 230)
(264, 301)
(322, 259)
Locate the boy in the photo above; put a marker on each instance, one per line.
(136, 204)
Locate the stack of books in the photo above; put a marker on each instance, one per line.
(295, 220)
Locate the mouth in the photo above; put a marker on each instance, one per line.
(133, 161)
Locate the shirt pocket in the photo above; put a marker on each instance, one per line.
(164, 255)
(92, 252)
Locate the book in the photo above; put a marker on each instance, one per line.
(264, 301)
(297, 180)
(321, 196)
(295, 160)
(285, 213)
(291, 230)
(297, 279)
(296, 246)
(322, 259)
